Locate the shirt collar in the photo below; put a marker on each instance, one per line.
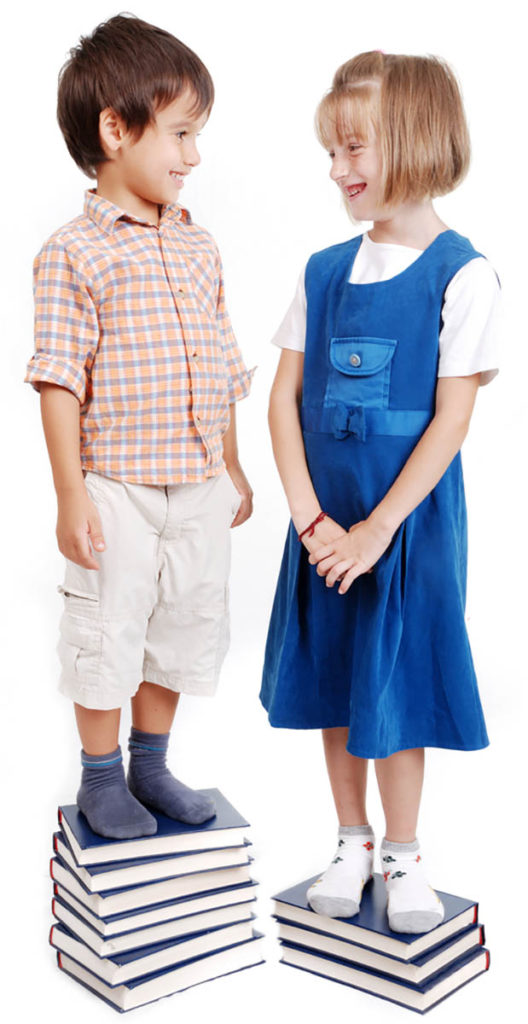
(105, 214)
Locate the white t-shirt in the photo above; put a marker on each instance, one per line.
(471, 313)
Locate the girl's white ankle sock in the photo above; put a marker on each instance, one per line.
(338, 892)
(412, 905)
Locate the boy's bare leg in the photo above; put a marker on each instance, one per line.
(154, 707)
(338, 892)
(149, 779)
(103, 796)
(412, 905)
(99, 730)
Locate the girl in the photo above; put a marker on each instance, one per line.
(384, 347)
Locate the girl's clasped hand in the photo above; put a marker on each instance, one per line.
(351, 554)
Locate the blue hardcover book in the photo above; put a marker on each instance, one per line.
(138, 963)
(117, 901)
(227, 828)
(416, 971)
(169, 981)
(184, 909)
(117, 874)
(370, 928)
(415, 997)
(172, 979)
(162, 932)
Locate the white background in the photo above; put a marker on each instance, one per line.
(264, 192)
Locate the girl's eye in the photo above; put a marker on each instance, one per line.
(354, 146)
(180, 135)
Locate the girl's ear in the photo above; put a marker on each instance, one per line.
(112, 131)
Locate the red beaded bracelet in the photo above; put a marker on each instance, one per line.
(310, 529)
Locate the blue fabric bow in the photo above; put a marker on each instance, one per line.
(349, 420)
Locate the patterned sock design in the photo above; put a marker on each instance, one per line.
(152, 783)
(338, 892)
(106, 802)
(412, 905)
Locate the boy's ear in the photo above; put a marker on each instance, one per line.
(112, 131)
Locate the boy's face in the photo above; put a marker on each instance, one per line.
(152, 170)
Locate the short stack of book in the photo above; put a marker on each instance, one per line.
(416, 971)
(139, 919)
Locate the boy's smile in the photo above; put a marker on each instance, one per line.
(146, 173)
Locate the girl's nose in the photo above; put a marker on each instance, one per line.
(339, 169)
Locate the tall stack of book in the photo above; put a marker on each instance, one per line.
(139, 919)
(416, 971)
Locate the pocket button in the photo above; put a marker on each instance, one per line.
(355, 360)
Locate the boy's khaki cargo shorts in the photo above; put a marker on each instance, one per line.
(157, 607)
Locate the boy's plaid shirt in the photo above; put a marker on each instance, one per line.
(132, 319)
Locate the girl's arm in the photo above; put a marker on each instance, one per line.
(288, 449)
(365, 542)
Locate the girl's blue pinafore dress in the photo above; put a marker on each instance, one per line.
(390, 659)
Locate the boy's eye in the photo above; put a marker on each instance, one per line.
(180, 135)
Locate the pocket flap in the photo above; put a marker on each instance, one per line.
(70, 592)
(361, 357)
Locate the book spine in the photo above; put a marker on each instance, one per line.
(51, 869)
(487, 959)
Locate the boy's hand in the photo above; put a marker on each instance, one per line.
(325, 533)
(242, 485)
(351, 555)
(79, 528)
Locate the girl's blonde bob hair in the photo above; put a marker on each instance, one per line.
(414, 107)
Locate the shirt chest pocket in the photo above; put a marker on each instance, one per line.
(360, 371)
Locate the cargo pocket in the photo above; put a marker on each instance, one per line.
(80, 644)
(360, 371)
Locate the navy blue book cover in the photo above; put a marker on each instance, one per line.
(191, 933)
(226, 817)
(372, 916)
(127, 915)
(137, 955)
(238, 857)
(134, 888)
(138, 982)
(418, 961)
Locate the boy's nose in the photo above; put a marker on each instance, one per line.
(191, 156)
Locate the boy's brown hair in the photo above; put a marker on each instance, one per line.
(135, 69)
(414, 106)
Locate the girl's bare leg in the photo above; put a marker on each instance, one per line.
(400, 781)
(338, 892)
(348, 778)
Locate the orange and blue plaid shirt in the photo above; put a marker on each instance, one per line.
(131, 318)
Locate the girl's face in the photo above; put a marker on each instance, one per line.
(357, 170)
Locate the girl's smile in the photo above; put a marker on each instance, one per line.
(357, 170)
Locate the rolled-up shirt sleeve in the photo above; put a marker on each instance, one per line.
(66, 325)
(238, 376)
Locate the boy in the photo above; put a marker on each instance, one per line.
(138, 372)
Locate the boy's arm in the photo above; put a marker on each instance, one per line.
(78, 522)
(235, 470)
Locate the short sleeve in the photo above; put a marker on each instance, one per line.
(292, 331)
(471, 315)
(239, 377)
(66, 325)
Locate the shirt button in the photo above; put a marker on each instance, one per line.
(355, 360)
(180, 291)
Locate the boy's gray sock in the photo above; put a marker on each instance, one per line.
(150, 781)
(106, 802)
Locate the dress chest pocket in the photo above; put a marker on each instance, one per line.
(360, 371)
